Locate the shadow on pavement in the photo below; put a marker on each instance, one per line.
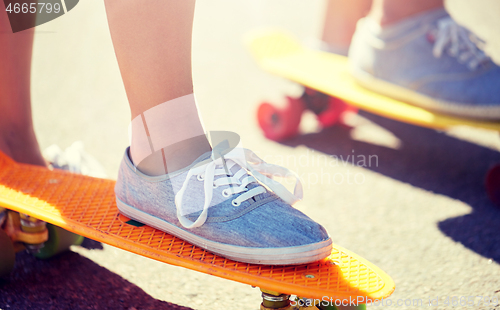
(71, 281)
(432, 161)
(90, 244)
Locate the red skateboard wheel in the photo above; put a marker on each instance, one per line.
(280, 124)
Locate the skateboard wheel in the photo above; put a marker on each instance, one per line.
(334, 112)
(493, 184)
(7, 254)
(280, 124)
(59, 241)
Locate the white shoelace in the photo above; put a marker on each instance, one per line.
(252, 169)
(459, 43)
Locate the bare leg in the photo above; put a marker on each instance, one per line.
(340, 21)
(152, 42)
(342, 15)
(387, 12)
(17, 137)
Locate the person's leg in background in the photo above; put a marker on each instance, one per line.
(17, 136)
(415, 52)
(341, 17)
(153, 48)
(386, 12)
(340, 23)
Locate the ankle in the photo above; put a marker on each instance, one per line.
(174, 157)
(183, 154)
(388, 12)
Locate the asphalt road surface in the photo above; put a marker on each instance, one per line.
(419, 212)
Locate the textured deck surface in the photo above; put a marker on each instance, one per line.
(87, 206)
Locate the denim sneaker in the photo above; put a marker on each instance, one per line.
(224, 204)
(430, 61)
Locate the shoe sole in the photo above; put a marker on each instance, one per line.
(264, 256)
(476, 111)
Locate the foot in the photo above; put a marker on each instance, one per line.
(430, 61)
(219, 203)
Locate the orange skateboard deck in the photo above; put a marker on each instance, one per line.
(86, 206)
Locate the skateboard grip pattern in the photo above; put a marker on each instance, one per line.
(86, 206)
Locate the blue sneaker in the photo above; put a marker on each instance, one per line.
(430, 61)
(221, 204)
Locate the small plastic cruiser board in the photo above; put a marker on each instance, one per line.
(86, 206)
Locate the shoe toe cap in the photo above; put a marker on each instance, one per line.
(272, 225)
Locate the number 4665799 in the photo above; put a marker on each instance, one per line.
(33, 8)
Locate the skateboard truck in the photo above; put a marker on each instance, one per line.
(272, 300)
(315, 101)
(282, 123)
(26, 232)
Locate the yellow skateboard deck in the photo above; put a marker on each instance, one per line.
(282, 55)
(86, 206)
